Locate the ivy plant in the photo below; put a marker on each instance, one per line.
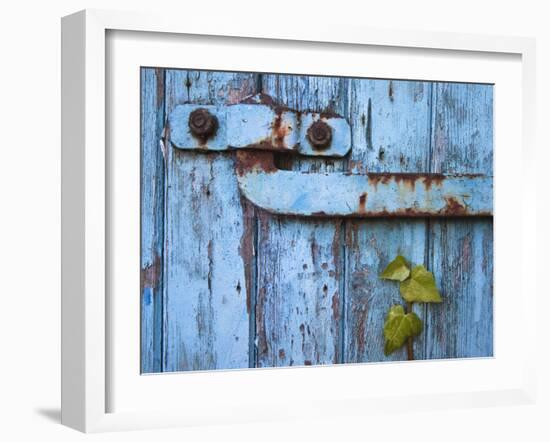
(416, 285)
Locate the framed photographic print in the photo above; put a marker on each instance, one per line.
(235, 225)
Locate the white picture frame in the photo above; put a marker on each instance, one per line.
(86, 315)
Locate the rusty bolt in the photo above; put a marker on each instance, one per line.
(202, 123)
(319, 135)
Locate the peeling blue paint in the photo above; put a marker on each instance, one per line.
(369, 195)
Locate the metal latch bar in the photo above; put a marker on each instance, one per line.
(305, 194)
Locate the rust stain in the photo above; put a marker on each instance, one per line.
(276, 141)
(280, 131)
(150, 275)
(407, 179)
(246, 249)
(247, 161)
(307, 362)
(362, 202)
(406, 212)
(314, 250)
(282, 353)
(325, 114)
(453, 207)
(320, 214)
(159, 73)
(260, 322)
(360, 334)
(352, 236)
(336, 306)
(260, 98)
(432, 179)
(356, 166)
(336, 248)
(467, 248)
(328, 114)
(268, 144)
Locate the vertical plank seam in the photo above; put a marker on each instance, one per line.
(164, 239)
(141, 150)
(342, 284)
(164, 262)
(345, 226)
(254, 279)
(153, 359)
(162, 233)
(429, 230)
(254, 283)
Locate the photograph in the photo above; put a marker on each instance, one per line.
(234, 221)
(291, 220)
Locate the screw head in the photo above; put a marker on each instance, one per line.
(202, 123)
(319, 135)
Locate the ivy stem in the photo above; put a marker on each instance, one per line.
(410, 350)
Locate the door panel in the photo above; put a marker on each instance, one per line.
(152, 219)
(461, 250)
(391, 122)
(300, 271)
(206, 318)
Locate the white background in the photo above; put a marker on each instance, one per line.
(305, 388)
(30, 174)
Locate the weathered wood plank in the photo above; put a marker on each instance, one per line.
(300, 261)
(391, 133)
(206, 315)
(461, 250)
(152, 218)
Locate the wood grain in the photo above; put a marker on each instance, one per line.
(300, 271)
(391, 133)
(206, 316)
(152, 218)
(461, 250)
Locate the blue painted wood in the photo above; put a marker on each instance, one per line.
(152, 218)
(461, 251)
(300, 266)
(391, 132)
(206, 317)
(242, 287)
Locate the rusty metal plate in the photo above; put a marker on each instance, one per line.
(360, 195)
(260, 127)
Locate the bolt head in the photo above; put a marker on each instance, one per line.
(202, 123)
(319, 135)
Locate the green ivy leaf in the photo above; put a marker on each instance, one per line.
(420, 287)
(399, 327)
(397, 270)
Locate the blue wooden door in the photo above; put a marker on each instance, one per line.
(226, 284)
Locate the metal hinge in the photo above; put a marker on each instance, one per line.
(255, 125)
(257, 129)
